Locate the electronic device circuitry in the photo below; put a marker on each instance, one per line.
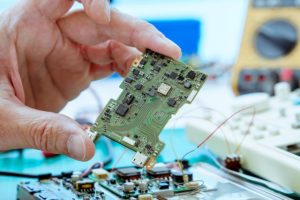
(155, 88)
(163, 182)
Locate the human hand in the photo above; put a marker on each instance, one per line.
(48, 56)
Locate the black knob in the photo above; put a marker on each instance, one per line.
(276, 38)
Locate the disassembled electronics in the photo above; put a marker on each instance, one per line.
(154, 90)
(270, 148)
(130, 183)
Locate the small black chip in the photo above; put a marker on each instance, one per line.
(128, 99)
(128, 80)
(136, 72)
(173, 75)
(191, 75)
(180, 78)
(187, 84)
(159, 172)
(152, 92)
(122, 110)
(163, 185)
(157, 68)
(165, 64)
(203, 77)
(128, 173)
(143, 62)
(138, 86)
(172, 102)
(167, 74)
(153, 63)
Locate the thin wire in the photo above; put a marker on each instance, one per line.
(247, 132)
(119, 159)
(214, 131)
(88, 170)
(179, 161)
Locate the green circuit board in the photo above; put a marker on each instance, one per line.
(154, 90)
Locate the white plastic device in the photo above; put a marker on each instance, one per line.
(271, 148)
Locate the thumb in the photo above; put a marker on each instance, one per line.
(24, 127)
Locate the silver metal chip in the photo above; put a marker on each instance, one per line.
(164, 89)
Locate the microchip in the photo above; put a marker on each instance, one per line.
(128, 80)
(153, 63)
(203, 77)
(159, 172)
(164, 89)
(143, 62)
(122, 110)
(85, 186)
(136, 72)
(180, 78)
(138, 86)
(128, 99)
(187, 84)
(191, 75)
(129, 173)
(172, 102)
(167, 74)
(151, 92)
(173, 75)
(157, 68)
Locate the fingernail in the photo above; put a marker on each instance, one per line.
(172, 48)
(76, 147)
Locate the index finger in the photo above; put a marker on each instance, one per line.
(123, 28)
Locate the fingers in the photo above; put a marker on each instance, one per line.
(110, 56)
(23, 127)
(97, 10)
(123, 28)
(53, 9)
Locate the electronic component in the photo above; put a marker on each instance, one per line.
(172, 102)
(163, 185)
(159, 172)
(143, 186)
(145, 112)
(122, 110)
(85, 186)
(173, 75)
(138, 86)
(209, 182)
(140, 159)
(178, 177)
(164, 89)
(135, 72)
(130, 173)
(100, 173)
(128, 80)
(233, 162)
(145, 197)
(191, 75)
(128, 187)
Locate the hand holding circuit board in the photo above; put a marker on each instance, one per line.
(154, 90)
